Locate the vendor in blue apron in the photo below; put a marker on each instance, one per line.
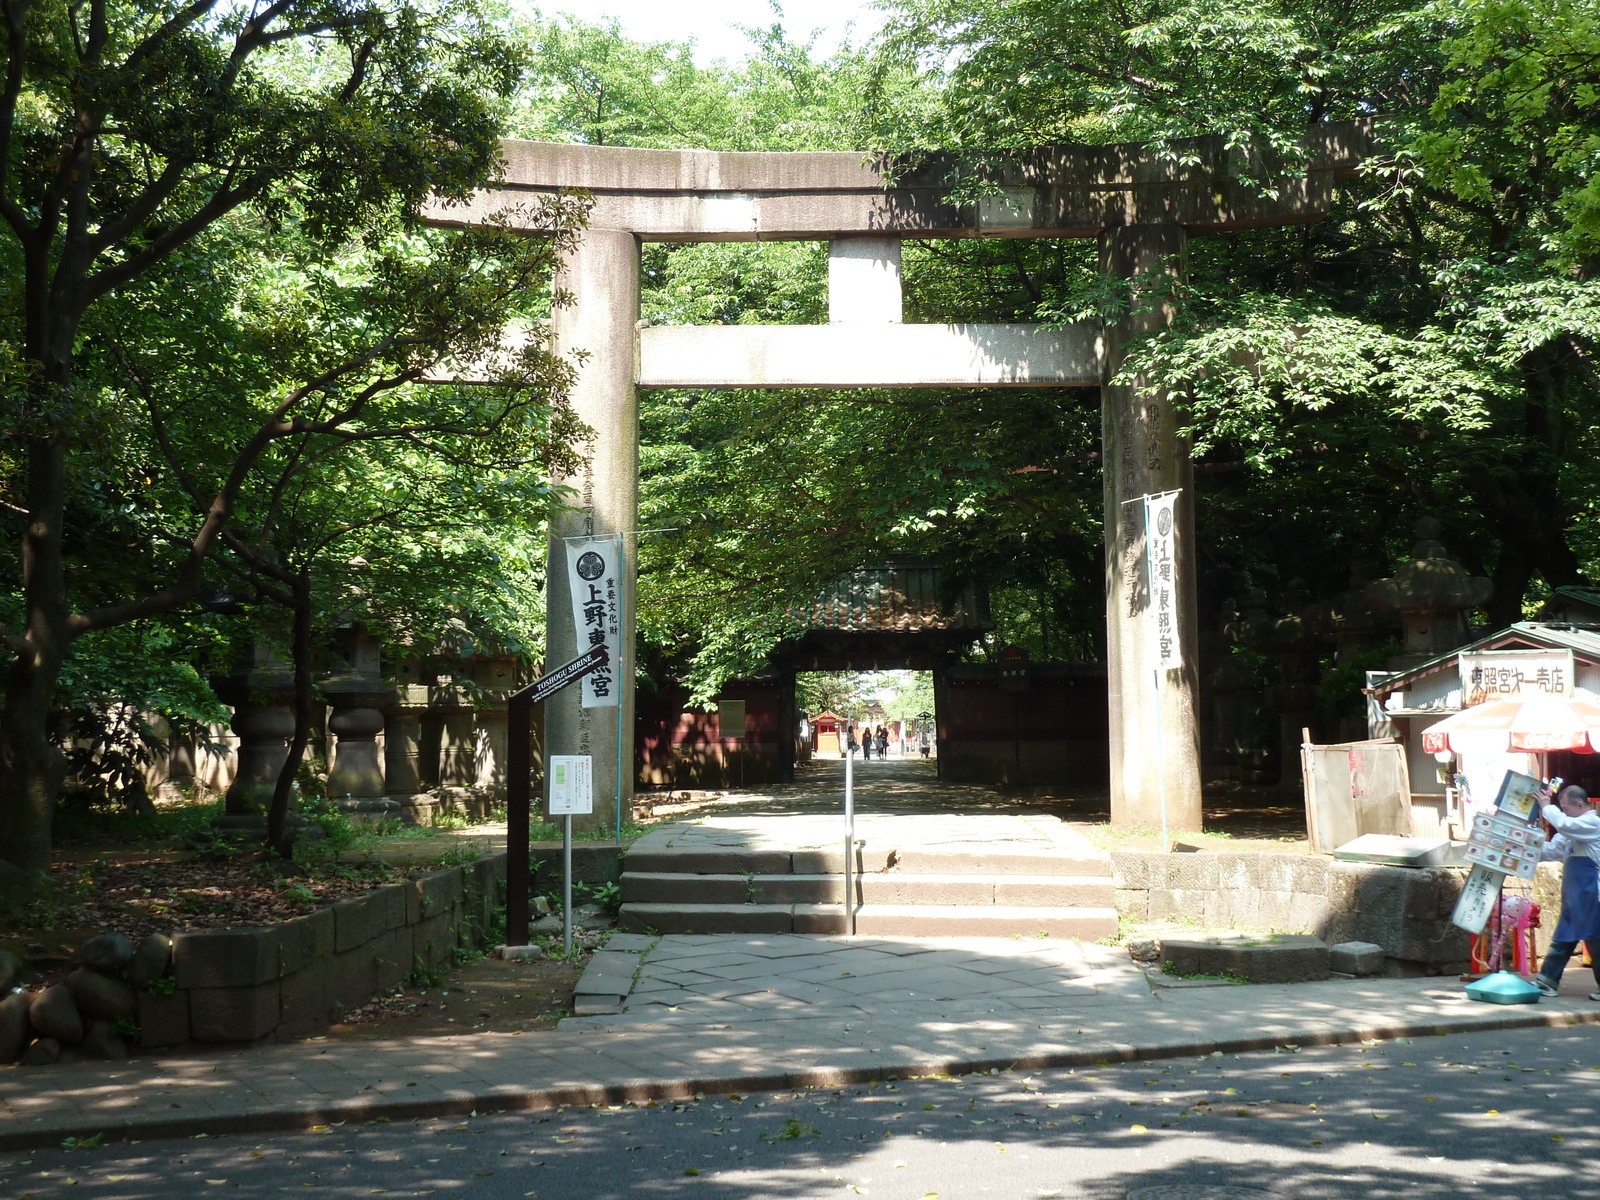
(1577, 843)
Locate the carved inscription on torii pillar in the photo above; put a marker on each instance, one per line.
(1142, 208)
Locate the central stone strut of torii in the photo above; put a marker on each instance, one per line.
(1142, 207)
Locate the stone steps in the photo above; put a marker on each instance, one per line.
(870, 859)
(881, 920)
(913, 878)
(891, 887)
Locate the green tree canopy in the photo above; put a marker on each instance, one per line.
(133, 139)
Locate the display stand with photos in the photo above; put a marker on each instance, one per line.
(1496, 904)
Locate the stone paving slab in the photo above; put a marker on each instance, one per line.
(798, 975)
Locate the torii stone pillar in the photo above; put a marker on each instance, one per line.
(1143, 454)
(602, 275)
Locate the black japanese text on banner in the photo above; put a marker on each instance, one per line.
(594, 575)
(1160, 518)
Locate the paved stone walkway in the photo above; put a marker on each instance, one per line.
(904, 785)
(685, 979)
(308, 1084)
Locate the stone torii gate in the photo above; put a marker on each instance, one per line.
(1142, 208)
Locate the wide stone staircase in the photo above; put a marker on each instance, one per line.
(933, 875)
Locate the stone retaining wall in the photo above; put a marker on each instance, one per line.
(287, 980)
(592, 862)
(1404, 910)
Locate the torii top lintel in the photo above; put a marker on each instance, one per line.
(1065, 191)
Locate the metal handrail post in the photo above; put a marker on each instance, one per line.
(849, 841)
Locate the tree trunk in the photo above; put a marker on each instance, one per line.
(31, 767)
(280, 837)
(30, 777)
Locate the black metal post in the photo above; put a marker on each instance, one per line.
(519, 772)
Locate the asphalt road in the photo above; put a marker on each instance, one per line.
(1513, 1114)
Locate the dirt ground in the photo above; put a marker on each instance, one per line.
(485, 995)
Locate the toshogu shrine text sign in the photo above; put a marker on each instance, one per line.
(1498, 674)
(1160, 518)
(594, 579)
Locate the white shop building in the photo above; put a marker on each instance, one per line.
(1560, 658)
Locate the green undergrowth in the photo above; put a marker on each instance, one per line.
(1168, 969)
(168, 822)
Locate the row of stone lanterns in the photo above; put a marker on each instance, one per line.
(442, 727)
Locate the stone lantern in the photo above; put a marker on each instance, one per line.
(262, 696)
(357, 697)
(496, 678)
(402, 744)
(1432, 594)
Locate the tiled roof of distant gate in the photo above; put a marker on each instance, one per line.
(905, 597)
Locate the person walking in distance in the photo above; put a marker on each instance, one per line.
(1577, 844)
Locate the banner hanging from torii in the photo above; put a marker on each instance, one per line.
(1160, 547)
(594, 580)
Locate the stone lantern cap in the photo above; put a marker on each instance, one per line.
(1429, 581)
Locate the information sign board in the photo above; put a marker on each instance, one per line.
(571, 784)
(1497, 674)
(1477, 900)
(1519, 795)
(1160, 547)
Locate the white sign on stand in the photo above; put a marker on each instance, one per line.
(1478, 897)
(571, 784)
(571, 793)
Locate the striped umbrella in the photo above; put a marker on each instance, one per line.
(1535, 723)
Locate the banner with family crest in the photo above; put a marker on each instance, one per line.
(1160, 517)
(594, 578)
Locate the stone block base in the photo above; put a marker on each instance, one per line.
(1266, 958)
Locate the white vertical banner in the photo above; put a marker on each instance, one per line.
(594, 579)
(1160, 519)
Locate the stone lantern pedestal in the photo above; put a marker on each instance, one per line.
(496, 677)
(355, 778)
(402, 754)
(262, 698)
